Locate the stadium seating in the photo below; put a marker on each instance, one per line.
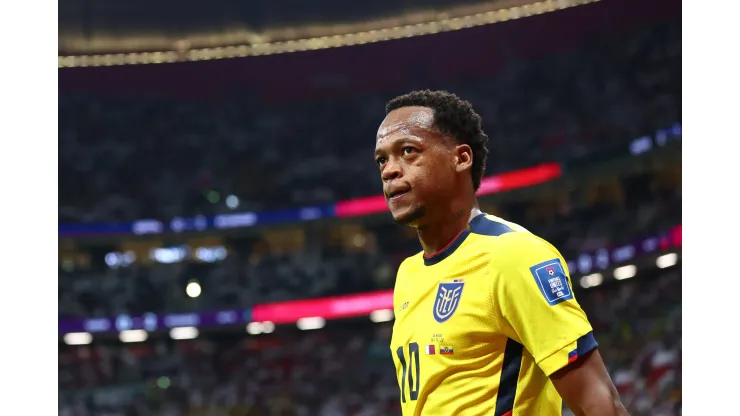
(130, 158)
(124, 158)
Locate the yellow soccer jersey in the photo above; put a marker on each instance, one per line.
(481, 325)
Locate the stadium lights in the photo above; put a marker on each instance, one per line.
(163, 382)
(254, 328)
(232, 201)
(625, 272)
(133, 335)
(193, 289)
(184, 332)
(314, 322)
(381, 315)
(77, 338)
(358, 35)
(591, 280)
(666, 260)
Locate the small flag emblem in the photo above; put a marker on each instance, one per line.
(431, 350)
(446, 350)
(573, 356)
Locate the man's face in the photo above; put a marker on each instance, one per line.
(416, 162)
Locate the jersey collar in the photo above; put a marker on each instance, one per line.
(432, 259)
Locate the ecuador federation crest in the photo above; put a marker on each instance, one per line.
(448, 297)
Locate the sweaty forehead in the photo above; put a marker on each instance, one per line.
(405, 121)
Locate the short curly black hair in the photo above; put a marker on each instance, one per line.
(453, 116)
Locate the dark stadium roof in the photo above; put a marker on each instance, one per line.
(87, 27)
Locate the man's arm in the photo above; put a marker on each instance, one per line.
(537, 308)
(587, 389)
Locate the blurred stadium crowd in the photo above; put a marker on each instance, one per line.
(346, 369)
(158, 158)
(126, 158)
(319, 261)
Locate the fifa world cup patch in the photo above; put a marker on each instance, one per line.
(552, 281)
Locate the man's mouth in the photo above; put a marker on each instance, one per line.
(397, 194)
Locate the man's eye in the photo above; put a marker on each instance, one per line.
(408, 150)
(380, 161)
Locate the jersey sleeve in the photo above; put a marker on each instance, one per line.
(533, 295)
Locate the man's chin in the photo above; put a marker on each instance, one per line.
(409, 216)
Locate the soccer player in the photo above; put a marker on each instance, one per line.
(486, 321)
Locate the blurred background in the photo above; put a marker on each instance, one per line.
(223, 245)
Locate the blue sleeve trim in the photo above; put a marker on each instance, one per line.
(586, 344)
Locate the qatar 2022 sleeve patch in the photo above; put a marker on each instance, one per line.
(552, 281)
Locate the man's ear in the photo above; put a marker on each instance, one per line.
(463, 157)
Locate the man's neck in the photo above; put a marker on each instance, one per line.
(434, 238)
(474, 212)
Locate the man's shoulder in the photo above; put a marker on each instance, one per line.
(510, 239)
(493, 226)
(411, 263)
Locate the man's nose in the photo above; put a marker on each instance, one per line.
(391, 170)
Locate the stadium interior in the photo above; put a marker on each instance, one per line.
(224, 247)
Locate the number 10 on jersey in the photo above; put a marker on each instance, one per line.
(410, 373)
